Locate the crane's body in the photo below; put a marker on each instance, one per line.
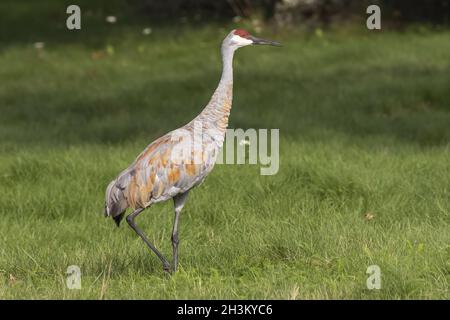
(159, 172)
(180, 160)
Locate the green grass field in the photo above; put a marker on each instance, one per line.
(364, 165)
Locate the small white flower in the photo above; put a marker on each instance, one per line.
(39, 45)
(147, 31)
(111, 19)
(244, 142)
(237, 19)
(258, 29)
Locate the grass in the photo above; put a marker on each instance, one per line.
(364, 164)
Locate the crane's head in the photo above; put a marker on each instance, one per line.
(240, 38)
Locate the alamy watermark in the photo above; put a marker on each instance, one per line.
(373, 22)
(374, 279)
(73, 280)
(201, 144)
(257, 143)
(73, 22)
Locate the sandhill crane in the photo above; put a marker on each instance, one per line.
(164, 170)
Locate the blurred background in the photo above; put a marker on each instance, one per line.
(291, 12)
(47, 16)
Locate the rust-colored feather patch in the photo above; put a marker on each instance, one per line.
(174, 175)
(190, 169)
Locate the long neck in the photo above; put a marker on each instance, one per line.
(227, 65)
(217, 111)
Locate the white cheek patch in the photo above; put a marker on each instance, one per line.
(241, 41)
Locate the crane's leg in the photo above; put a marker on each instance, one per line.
(130, 220)
(178, 202)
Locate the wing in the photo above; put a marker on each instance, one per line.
(169, 166)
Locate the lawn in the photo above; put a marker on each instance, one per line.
(364, 177)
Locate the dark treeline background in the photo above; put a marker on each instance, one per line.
(284, 12)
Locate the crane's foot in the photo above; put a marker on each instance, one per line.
(167, 268)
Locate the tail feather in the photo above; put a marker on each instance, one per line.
(115, 202)
(118, 219)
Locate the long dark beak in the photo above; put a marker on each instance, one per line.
(264, 42)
